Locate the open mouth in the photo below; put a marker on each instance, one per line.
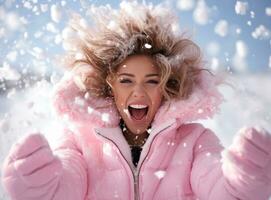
(138, 112)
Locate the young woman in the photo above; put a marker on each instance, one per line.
(130, 103)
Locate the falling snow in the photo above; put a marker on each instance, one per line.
(241, 7)
(105, 117)
(8, 73)
(160, 174)
(239, 59)
(201, 13)
(33, 34)
(268, 11)
(261, 32)
(185, 4)
(55, 13)
(147, 46)
(221, 28)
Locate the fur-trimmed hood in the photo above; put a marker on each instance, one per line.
(77, 106)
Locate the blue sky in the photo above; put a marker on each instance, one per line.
(29, 44)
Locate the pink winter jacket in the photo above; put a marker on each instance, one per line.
(181, 160)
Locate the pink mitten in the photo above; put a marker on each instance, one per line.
(31, 170)
(247, 164)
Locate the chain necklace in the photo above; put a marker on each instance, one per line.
(132, 139)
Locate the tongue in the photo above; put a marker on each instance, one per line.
(138, 114)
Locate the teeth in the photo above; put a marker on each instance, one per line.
(136, 106)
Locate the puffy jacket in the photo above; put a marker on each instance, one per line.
(180, 160)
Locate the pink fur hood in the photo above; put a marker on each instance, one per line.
(78, 106)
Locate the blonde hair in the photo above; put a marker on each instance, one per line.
(134, 29)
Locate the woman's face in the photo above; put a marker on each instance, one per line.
(136, 92)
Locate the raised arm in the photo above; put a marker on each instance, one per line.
(33, 171)
(234, 176)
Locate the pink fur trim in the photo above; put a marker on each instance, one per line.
(77, 106)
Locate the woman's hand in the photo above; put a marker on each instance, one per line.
(247, 163)
(31, 165)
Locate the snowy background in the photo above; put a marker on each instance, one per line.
(235, 37)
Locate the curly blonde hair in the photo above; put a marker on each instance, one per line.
(134, 29)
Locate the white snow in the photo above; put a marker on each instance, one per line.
(185, 4)
(63, 3)
(221, 28)
(160, 174)
(8, 73)
(51, 27)
(11, 94)
(105, 117)
(12, 21)
(201, 13)
(238, 31)
(2, 32)
(79, 101)
(147, 46)
(58, 39)
(252, 14)
(239, 59)
(269, 64)
(213, 48)
(68, 33)
(44, 7)
(241, 7)
(107, 149)
(56, 13)
(28, 5)
(215, 64)
(268, 11)
(38, 34)
(37, 52)
(12, 56)
(261, 32)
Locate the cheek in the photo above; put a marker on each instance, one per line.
(156, 98)
(119, 98)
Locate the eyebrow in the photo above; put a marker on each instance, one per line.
(132, 75)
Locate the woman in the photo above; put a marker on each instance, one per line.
(129, 104)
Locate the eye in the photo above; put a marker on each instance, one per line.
(153, 81)
(124, 80)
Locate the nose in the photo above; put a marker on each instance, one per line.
(139, 92)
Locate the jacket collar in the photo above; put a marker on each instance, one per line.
(115, 136)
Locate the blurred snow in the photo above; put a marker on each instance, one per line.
(32, 32)
(185, 4)
(12, 20)
(11, 56)
(241, 7)
(44, 7)
(201, 13)
(8, 73)
(221, 28)
(261, 32)
(239, 61)
(56, 13)
(247, 103)
(268, 11)
(215, 64)
(213, 48)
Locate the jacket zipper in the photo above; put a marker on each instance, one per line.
(134, 171)
(138, 172)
